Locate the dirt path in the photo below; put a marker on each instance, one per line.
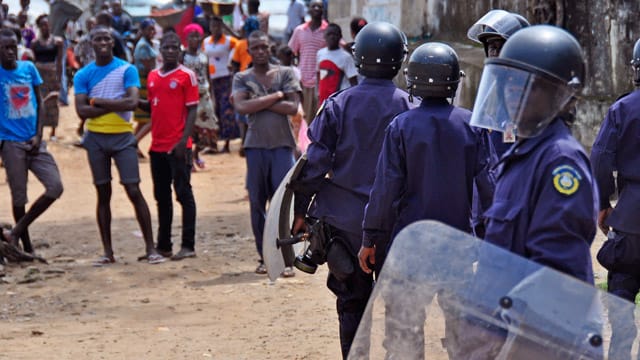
(213, 306)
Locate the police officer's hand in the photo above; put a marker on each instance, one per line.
(602, 217)
(367, 256)
(299, 225)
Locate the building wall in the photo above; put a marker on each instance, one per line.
(607, 31)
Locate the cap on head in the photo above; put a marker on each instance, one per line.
(146, 23)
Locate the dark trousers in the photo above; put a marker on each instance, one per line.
(166, 169)
(265, 170)
(352, 294)
(624, 330)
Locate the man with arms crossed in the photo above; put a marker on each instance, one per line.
(106, 94)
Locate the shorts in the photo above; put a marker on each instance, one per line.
(18, 161)
(122, 148)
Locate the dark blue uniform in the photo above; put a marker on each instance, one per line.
(499, 145)
(346, 137)
(426, 170)
(617, 147)
(545, 202)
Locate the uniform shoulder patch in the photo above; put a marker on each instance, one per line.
(566, 179)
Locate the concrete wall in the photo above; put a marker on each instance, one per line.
(606, 30)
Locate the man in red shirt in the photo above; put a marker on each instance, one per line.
(172, 100)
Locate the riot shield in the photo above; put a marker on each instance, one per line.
(278, 226)
(443, 294)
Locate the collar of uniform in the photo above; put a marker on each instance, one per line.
(379, 82)
(525, 146)
(434, 102)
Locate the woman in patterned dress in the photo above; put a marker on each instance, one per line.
(205, 130)
(218, 48)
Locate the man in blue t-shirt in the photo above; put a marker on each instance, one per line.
(106, 93)
(21, 136)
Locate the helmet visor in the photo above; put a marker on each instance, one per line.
(511, 98)
(500, 22)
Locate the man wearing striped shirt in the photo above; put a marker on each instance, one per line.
(106, 93)
(305, 42)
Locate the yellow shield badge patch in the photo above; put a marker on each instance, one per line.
(566, 179)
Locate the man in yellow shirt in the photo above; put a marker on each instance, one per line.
(106, 93)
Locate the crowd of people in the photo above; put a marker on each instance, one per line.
(509, 171)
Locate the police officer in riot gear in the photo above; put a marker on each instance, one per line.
(426, 170)
(545, 201)
(346, 136)
(544, 206)
(492, 31)
(617, 149)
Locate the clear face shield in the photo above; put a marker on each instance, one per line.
(512, 99)
(499, 21)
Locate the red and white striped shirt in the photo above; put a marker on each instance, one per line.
(305, 43)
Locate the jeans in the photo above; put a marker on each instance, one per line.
(265, 170)
(165, 170)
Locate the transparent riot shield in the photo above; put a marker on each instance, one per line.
(277, 252)
(443, 294)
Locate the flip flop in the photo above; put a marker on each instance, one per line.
(156, 259)
(102, 261)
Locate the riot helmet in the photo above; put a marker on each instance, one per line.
(379, 50)
(433, 71)
(535, 78)
(635, 63)
(496, 24)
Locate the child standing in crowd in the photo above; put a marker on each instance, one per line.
(205, 130)
(336, 69)
(299, 127)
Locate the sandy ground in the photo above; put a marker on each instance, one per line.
(213, 306)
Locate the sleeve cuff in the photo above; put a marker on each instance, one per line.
(370, 238)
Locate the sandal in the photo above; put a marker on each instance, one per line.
(288, 272)
(200, 163)
(102, 261)
(155, 259)
(261, 269)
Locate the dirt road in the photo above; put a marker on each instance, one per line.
(210, 307)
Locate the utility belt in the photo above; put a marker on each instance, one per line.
(620, 252)
(325, 246)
